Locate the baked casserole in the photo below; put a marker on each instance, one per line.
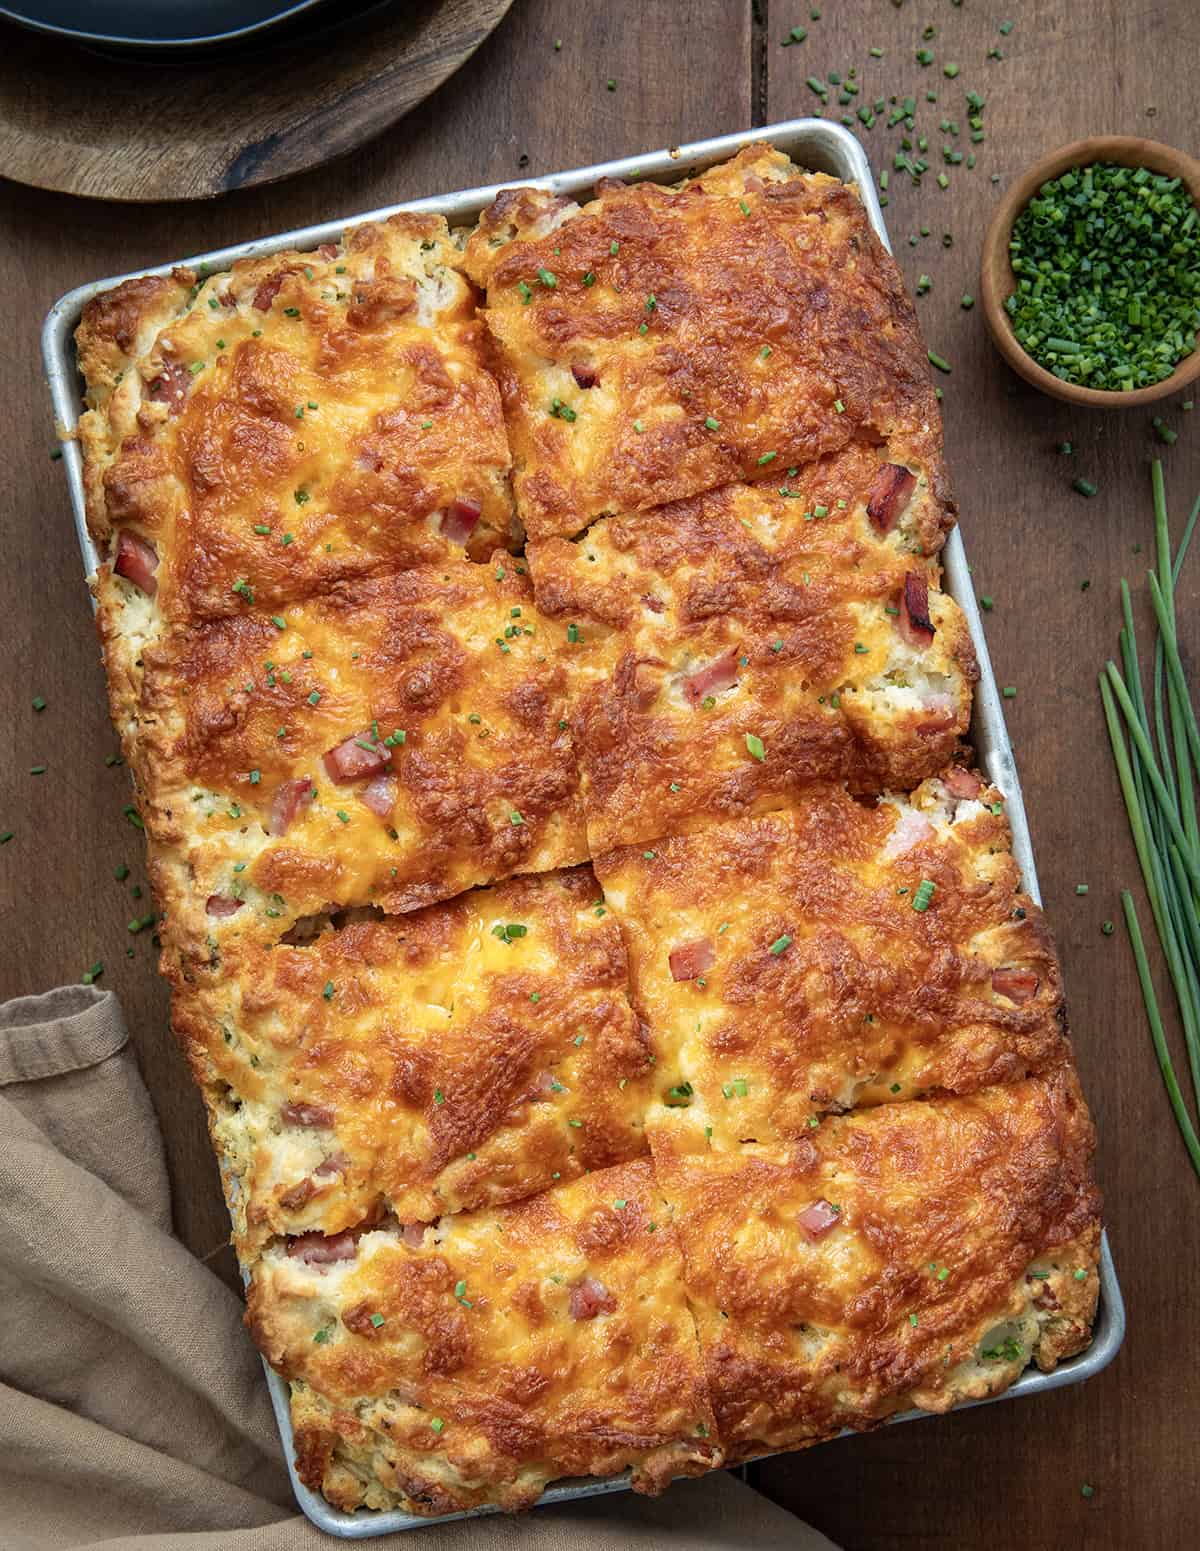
(625, 1040)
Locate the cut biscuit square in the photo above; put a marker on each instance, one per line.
(836, 954)
(726, 651)
(496, 1352)
(913, 1255)
(659, 342)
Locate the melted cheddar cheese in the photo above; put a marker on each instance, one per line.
(728, 650)
(299, 420)
(479, 1360)
(659, 342)
(786, 969)
(447, 679)
(470, 1053)
(908, 1255)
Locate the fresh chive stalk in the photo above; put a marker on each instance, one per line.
(1157, 1032)
(1156, 749)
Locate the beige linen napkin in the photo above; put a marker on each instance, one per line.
(133, 1410)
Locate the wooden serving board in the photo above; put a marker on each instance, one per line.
(127, 129)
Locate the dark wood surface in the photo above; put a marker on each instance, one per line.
(1006, 1475)
(189, 129)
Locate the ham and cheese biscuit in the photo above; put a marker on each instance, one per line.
(914, 1255)
(471, 1053)
(391, 742)
(288, 424)
(838, 954)
(481, 1358)
(659, 342)
(730, 649)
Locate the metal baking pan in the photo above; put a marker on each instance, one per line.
(819, 146)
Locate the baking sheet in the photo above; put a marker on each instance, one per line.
(819, 146)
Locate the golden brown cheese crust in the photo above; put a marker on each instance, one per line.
(964, 1245)
(452, 664)
(784, 972)
(748, 318)
(507, 1348)
(802, 599)
(298, 420)
(468, 1054)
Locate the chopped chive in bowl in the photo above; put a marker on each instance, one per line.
(1106, 263)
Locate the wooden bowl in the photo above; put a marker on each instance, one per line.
(997, 282)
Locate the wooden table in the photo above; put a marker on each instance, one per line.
(1006, 1475)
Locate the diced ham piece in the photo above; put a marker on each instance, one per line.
(290, 799)
(940, 712)
(361, 755)
(753, 183)
(268, 291)
(637, 680)
(380, 796)
(910, 830)
(171, 386)
(220, 905)
(306, 1115)
(336, 1163)
(227, 299)
(459, 519)
(960, 782)
(589, 1298)
(585, 376)
(136, 560)
(541, 1089)
(721, 673)
(317, 1250)
(914, 622)
(413, 1234)
(817, 1219)
(1019, 985)
(890, 494)
(359, 1320)
(692, 960)
(328, 250)
(299, 1195)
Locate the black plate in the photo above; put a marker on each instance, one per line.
(155, 24)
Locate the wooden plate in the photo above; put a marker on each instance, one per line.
(112, 128)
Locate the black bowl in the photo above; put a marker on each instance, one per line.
(156, 25)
